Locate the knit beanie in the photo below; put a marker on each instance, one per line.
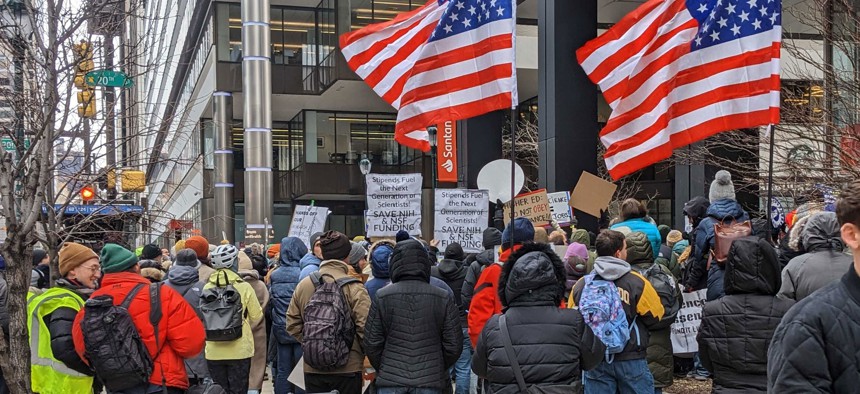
(72, 255)
(200, 246)
(115, 258)
(245, 263)
(576, 249)
(356, 253)
(722, 187)
(314, 238)
(150, 252)
(187, 258)
(38, 256)
(335, 246)
(517, 232)
(273, 251)
(492, 237)
(664, 232)
(401, 235)
(541, 237)
(179, 246)
(674, 237)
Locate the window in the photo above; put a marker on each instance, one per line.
(366, 12)
(802, 101)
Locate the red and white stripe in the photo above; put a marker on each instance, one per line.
(428, 83)
(663, 96)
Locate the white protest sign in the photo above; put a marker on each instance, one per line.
(461, 217)
(686, 326)
(308, 220)
(559, 204)
(393, 204)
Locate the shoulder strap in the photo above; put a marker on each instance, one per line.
(512, 357)
(155, 315)
(316, 278)
(130, 296)
(347, 280)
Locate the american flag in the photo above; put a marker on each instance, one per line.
(675, 72)
(448, 60)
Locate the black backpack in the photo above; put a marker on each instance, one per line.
(222, 310)
(113, 344)
(666, 286)
(328, 330)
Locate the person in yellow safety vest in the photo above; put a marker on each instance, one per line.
(54, 365)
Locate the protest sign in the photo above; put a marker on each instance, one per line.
(533, 206)
(461, 217)
(686, 326)
(308, 220)
(592, 194)
(559, 204)
(393, 204)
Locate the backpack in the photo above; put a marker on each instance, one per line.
(666, 286)
(600, 306)
(222, 310)
(328, 331)
(113, 345)
(724, 235)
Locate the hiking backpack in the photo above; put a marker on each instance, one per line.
(666, 286)
(724, 235)
(601, 307)
(113, 345)
(328, 330)
(222, 310)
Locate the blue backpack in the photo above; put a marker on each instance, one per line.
(600, 306)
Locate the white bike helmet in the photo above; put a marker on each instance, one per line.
(224, 256)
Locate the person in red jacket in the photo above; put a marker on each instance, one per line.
(485, 301)
(181, 333)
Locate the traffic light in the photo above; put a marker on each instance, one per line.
(83, 65)
(87, 193)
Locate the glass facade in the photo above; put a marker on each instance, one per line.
(365, 12)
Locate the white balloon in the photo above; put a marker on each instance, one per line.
(495, 177)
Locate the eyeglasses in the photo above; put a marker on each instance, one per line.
(94, 268)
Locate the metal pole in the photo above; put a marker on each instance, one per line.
(513, 165)
(222, 119)
(770, 182)
(110, 115)
(257, 95)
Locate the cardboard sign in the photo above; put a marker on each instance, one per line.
(686, 326)
(393, 204)
(559, 204)
(592, 194)
(461, 217)
(446, 152)
(533, 206)
(308, 220)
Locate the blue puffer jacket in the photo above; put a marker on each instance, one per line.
(283, 281)
(720, 211)
(645, 226)
(379, 254)
(309, 264)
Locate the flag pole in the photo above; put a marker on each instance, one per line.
(770, 183)
(513, 161)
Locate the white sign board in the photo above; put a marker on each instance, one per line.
(393, 204)
(559, 204)
(308, 220)
(461, 217)
(686, 326)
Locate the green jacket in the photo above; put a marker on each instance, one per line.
(243, 347)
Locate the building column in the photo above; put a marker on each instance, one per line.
(222, 119)
(257, 96)
(567, 99)
(689, 183)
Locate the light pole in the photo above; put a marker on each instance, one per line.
(364, 166)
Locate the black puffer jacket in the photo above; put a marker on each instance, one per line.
(815, 349)
(737, 329)
(546, 339)
(453, 273)
(413, 333)
(60, 324)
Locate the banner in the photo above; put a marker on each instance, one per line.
(559, 204)
(393, 204)
(461, 217)
(533, 206)
(308, 220)
(446, 152)
(686, 326)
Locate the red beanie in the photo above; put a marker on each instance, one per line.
(199, 245)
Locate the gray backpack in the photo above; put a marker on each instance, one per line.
(328, 330)
(222, 310)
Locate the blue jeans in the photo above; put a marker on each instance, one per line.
(288, 355)
(698, 367)
(406, 390)
(463, 368)
(625, 377)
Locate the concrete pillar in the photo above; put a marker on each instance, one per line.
(257, 96)
(567, 99)
(222, 119)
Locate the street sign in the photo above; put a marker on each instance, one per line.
(9, 144)
(108, 78)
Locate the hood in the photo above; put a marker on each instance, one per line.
(309, 259)
(183, 275)
(822, 232)
(610, 268)
(580, 236)
(722, 209)
(533, 275)
(292, 251)
(752, 268)
(249, 275)
(697, 208)
(379, 253)
(680, 246)
(795, 236)
(486, 257)
(77, 288)
(492, 237)
(218, 277)
(455, 252)
(639, 250)
(451, 269)
(410, 261)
